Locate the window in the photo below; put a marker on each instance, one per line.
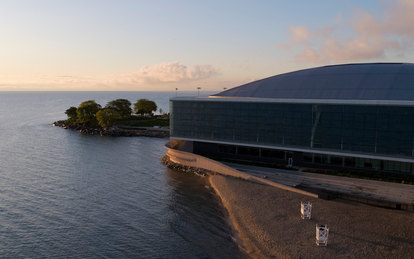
(227, 149)
(336, 160)
(307, 158)
(249, 151)
(349, 161)
(273, 153)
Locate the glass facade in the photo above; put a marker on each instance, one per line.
(365, 129)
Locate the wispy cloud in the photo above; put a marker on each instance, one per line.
(172, 72)
(299, 35)
(372, 37)
(163, 74)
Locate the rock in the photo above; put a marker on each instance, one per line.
(185, 169)
(114, 131)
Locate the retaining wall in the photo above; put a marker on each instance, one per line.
(200, 162)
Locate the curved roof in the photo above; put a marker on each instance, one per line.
(370, 81)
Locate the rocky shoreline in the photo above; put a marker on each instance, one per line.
(184, 169)
(116, 131)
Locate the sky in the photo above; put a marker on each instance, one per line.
(137, 45)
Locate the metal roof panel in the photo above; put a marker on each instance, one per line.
(365, 81)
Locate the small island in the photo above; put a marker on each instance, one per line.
(117, 119)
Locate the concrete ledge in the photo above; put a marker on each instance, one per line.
(199, 162)
(378, 203)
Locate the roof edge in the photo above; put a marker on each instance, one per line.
(297, 101)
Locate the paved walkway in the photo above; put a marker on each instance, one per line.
(377, 190)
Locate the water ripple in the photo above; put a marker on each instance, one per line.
(63, 194)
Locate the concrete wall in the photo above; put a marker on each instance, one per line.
(197, 161)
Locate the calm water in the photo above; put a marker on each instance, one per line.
(63, 194)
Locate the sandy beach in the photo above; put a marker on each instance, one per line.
(268, 223)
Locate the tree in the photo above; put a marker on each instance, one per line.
(86, 112)
(72, 115)
(145, 107)
(123, 107)
(107, 116)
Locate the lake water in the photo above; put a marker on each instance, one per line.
(64, 194)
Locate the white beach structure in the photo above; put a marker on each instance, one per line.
(322, 232)
(306, 209)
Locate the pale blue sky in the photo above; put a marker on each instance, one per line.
(161, 45)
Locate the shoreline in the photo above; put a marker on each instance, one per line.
(116, 131)
(238, 236)
(268, 222)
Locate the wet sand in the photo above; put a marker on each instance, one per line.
(268, 223)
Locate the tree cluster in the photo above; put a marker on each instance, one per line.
(90, 113)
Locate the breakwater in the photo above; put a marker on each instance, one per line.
(183, 168)
(195, 162)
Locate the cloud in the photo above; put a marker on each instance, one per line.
(172, 72)
(400, 19)
(148, 77)
(367, 25)
(352, 50)
(299, 35)
(371, 38)
(310, 55)
(49, 83)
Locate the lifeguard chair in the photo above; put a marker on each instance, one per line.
(306, 209)
(322, 232)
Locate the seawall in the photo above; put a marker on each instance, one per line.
(193, 162)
